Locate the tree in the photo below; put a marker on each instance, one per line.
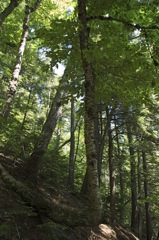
(111, 57)
(44, 138)
(111, 167)
(72, 149)
(134, 213)
(93, 180)
(147, 204)
(17, 68)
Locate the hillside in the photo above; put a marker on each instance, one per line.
(21, 219)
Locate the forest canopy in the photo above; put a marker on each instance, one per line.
(79, 105)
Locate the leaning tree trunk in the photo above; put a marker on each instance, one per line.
(17, 68)
(8, 10)
(91, 155)
(40, 147)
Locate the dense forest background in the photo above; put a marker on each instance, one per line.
(79, 102)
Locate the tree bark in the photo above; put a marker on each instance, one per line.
(147, 204)
(134, 218)
(6, 108)
(121, 176)
(40, 148)
(91, 155)
(140, 209)
(100, 135)
(111, 169)
(8, 10)
(15, 76)
(72, 150)
(78, 139)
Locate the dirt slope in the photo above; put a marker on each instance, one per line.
(20, 221)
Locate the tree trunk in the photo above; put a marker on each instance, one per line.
(15, 76)
(40, 148)
(78, 140)
(140, 210)
(16, 71)
(111, 168)
(147, 204)
(91, 155)
(8, 10)
(134, 219)
(72, 150)
(121, 177)
(100, 135)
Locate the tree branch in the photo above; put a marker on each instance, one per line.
(8, 10)
(134, 25)
(35, 6)
(63, 144)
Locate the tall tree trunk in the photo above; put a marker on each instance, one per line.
(140, 217)
(78, 139)
(121, 177)
(40, 148)
(134, 219)
(17, 68)
(147, 204)
(100, 135)
(72, 150)
(111, 168)
(91, 155)
(8, 10)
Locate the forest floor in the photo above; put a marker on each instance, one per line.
(20, 221)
